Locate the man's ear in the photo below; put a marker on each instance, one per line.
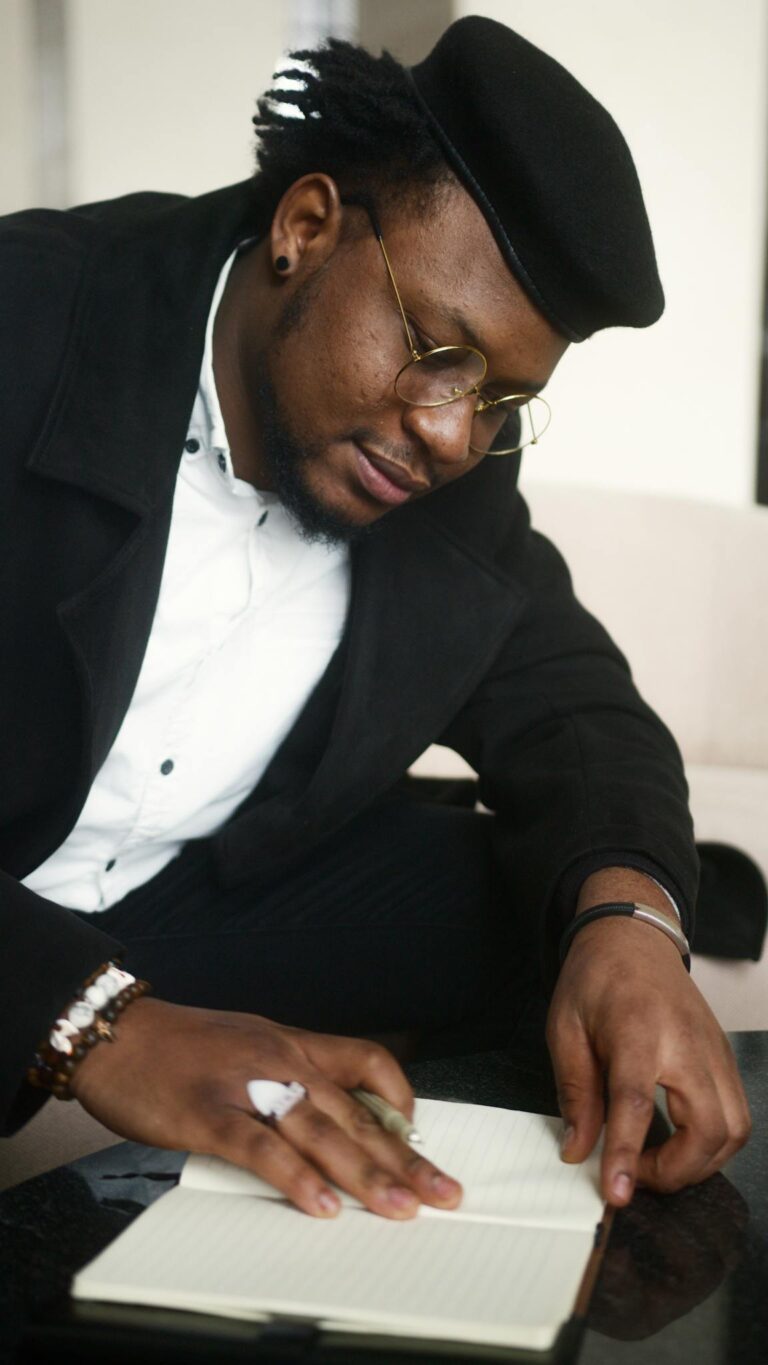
(306, 226)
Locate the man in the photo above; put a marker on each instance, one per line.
(260, 551)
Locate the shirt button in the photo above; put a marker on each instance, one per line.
(262, 518)
(192, 446)
(110, 864)
(166, 766)
(222, 462)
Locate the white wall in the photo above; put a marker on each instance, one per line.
(18, 179)
(672, 409)
(162, 91)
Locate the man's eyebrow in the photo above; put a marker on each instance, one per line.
(463, 325)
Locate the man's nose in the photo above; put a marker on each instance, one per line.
(444, 431)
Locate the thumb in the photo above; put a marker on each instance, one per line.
(579, 1081)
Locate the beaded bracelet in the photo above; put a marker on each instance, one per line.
(87, 1021)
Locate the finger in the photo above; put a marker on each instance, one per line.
(318, 1137)
(631, 1091)
(351, 1062)
(734, 1100)
(249, 1143)
(738, 1121)
(579, 1081)
(701, 1140)
(393, 1154)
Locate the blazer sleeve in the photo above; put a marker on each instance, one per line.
(48, 952)
(580, 771)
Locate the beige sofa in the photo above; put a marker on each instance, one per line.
(683, 587)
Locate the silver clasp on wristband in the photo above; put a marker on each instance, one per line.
(630, 910)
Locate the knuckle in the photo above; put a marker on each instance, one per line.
(570, 1094)
(623, 1154)
(363, 1123)
(633, 1098)
(369, 1175)
(375, 1057)
(716, 1139)
(558, 1029)
(743, 1132)
(739, 1135)
(319, 1126)
(261, 1144)
(743, 1126)
(415, 1165)
(222, 1129)
(571, 1090)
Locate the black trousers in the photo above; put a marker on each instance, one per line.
(399, 923)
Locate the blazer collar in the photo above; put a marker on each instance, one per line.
(151, 263)
(133, 362)
(117, 429)
(426, 621)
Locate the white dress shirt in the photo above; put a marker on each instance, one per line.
(247, 619)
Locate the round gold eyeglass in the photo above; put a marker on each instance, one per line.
(439, 375)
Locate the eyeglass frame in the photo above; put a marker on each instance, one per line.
(363, 202)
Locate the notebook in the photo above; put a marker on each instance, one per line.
(504, 1269)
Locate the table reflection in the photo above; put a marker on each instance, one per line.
(666, 1254)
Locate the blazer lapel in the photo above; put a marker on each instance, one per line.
(407, 669)
(118, 426)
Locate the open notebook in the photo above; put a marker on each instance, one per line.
(503, 1269)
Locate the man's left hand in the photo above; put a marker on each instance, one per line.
(626, 1017)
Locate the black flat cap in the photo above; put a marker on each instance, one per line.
(551, 173)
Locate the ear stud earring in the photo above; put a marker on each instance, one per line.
(282, 263)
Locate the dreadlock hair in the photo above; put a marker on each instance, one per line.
(357, 120)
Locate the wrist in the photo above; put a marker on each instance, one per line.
(614, 884)
(664, 924)
(87, 1021)
(134, 1024)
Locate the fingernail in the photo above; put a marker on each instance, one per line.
(566, 1137)
(328, 1201)
(401, 1198)
(622, 1186)
(444, 1187)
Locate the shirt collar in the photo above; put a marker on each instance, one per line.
(207, 419)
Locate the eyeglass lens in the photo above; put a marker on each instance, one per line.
(440, 376)
(448, 373)
(509, 425)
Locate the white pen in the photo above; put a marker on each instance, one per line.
(390, 1118)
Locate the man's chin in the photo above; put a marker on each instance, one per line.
(294, 468)
(316, 521)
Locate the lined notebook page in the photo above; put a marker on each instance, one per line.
(243, 1257)
(508, 1163)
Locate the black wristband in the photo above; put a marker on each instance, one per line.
(629, 910)
(597, 912)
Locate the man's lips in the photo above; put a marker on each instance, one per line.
(385, 480)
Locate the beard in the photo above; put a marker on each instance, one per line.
(287, 460)
(286, 457)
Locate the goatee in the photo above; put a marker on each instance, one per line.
(286, 459)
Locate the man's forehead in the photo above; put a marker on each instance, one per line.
(452, 266)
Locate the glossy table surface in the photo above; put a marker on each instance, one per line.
(685, 1277)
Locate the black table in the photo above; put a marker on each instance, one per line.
(685, 1277)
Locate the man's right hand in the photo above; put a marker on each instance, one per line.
(176, 1077)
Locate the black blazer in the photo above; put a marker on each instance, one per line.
(462, 629)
